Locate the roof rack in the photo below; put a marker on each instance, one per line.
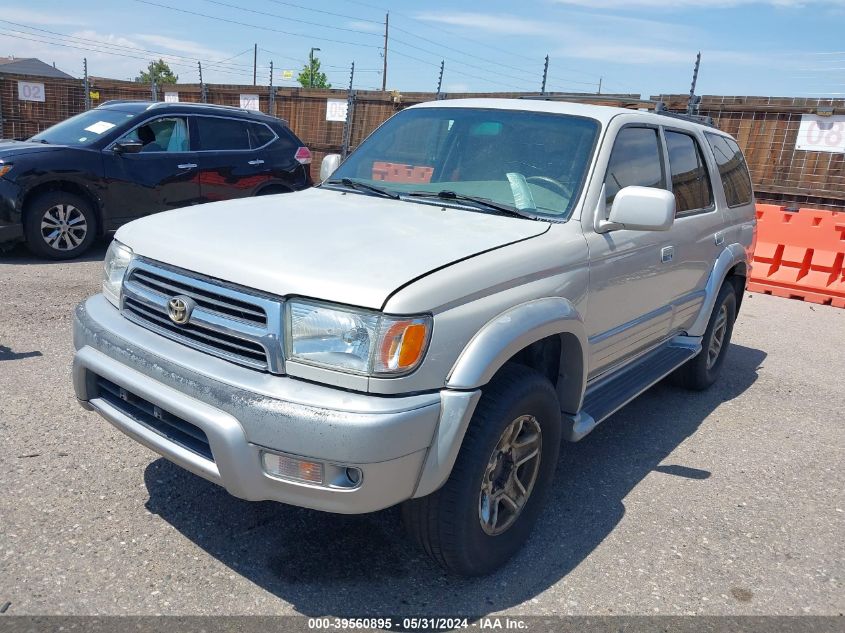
(210, 106)
(660, 108)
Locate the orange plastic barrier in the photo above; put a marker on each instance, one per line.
(396, 172)
(800, 255)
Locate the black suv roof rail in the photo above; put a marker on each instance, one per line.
(210, 106)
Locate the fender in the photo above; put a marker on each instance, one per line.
(514, 330)
(732, 255)
(492, 346)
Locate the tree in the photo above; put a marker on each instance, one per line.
(313, 70)
(159, 72)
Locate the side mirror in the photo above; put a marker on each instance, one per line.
(128, 147)
(328, 166)
(641, 209)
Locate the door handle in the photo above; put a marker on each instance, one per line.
(187, 165)
(257, 161)
(667, 253)
(720, 238)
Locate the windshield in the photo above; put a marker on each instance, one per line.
(532, 161)
(83, 129)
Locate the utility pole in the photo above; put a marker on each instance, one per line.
(311, 67)
(692, 104)
(600, 79)
(154, 90)
(85, 85)
(440, 78)
(384, 70)
(254, 64)
(545, 75)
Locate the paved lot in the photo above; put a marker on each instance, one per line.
(724, 502)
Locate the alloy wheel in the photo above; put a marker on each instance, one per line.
(717, 340)
(63, 227)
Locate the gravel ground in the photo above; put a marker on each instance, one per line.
(724, 502)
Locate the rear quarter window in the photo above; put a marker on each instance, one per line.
(732, 169)
(260, 135)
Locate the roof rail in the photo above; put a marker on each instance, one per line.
(660, 108)
(210, 106)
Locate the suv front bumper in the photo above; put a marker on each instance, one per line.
(397, 443)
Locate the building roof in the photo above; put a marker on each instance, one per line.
(30, 66)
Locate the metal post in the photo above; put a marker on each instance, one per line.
(255, 65)
(384, 69)
(350, 113)
(311, 67)
(85, 86)
(154, 90)
(691, 104)
(545, 75)
(203, 94)
(440, 79)
(600, 80)
(1, 106)
(271, 107)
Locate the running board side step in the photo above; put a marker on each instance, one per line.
(610, 394)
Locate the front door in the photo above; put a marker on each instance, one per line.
(632, 273)
(162, 176)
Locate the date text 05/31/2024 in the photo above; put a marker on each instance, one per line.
(421, 624)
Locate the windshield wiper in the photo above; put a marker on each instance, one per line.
(363, 186)
(476, 200)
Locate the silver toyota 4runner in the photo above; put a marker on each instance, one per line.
(479, 280)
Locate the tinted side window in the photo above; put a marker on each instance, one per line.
(222, 134)
(635, 160)
(690, 180)
(260, 135)
(732, 169)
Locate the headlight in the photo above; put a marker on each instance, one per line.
(114, 267)
(353, 340)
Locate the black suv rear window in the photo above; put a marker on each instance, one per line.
(222, 134)
(260, 135)
(732, 169)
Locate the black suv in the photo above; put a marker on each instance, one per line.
(127, 159)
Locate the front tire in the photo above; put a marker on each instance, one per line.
(485, 511)
(59, 225)
(703, 370)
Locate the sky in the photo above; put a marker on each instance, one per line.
(648, 47)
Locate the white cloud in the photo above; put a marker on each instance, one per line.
(502, 24)
(29, 16)
(179, 46)
(370, 27)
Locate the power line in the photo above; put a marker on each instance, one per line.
(222, 64)
(281, 17)
(40, 40)
(338, 15)
(254, 26)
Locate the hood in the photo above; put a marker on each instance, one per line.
(10, 149)
(342, 247)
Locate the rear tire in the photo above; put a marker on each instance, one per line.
(59, 225)
(481, 517)
(703, 370)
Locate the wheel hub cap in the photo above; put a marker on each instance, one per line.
(510, 475)
(63, 227)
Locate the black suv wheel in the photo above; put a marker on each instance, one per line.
(59, 225)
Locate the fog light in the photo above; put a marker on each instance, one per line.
(353, 475)
(292, 468)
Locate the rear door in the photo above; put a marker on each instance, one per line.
(698, 231)
(231, 164)
(162, 176)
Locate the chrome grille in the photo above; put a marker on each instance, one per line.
(235, 324)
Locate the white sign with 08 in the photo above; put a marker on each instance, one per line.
(821, 133)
